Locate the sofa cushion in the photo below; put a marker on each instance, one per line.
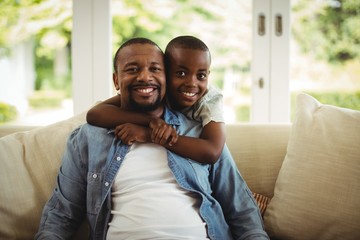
(317, 192)
(29, 165)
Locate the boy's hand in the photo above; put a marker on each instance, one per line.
(130, 133)
(162, 133)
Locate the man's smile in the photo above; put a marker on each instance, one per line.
(144, 90)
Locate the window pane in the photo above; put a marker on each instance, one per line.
(35, 62)
(325, 51)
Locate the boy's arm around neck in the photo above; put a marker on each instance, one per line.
(108, 114)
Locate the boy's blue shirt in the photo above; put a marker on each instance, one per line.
(92, 159)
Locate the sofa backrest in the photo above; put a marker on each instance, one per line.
(30, 161)
(258, 150)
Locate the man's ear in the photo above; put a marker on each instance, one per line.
(116, 82)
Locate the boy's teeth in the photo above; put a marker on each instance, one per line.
(189, 94)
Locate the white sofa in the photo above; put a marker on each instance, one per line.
(311, 198)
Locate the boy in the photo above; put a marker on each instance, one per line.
(187, 61)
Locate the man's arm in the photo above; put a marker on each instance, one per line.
(108, 114)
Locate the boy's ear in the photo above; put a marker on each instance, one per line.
(115, 81)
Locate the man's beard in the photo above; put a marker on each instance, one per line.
(145, 107)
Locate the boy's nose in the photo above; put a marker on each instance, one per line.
(191, 81)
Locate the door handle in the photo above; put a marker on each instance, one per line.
(261, 24)
(261, 83)
(278, 25)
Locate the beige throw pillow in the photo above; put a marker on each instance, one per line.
(29, 165)
(317, 193)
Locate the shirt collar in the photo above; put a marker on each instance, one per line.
(171, 117)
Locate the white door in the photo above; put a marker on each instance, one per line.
(270, 61)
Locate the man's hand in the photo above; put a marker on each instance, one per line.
(129, 133)
(162, 133)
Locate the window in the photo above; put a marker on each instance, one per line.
(35, 62)
(264, 52)
(324, 51)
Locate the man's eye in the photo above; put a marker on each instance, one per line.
(156, 69)
(132, 70)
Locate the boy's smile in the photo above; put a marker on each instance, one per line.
(189, 94)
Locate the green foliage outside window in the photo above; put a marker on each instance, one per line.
(48, 25)
(46, 99)
(350, 100)
(7, 112)
(329, 29)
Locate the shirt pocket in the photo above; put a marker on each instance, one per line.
(93, 194)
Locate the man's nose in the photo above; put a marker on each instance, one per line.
(145, 75)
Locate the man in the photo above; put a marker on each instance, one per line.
(143, 191)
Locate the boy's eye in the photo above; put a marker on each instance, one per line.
(201, 76)
(180, 73)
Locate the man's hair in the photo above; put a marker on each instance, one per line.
(187, 42)
(137, 40)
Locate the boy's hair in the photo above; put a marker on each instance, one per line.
(137, 40)
(187, 42)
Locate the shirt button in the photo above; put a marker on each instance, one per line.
(106, 184)
(94, 175)
(118, 158)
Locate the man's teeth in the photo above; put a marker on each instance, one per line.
(189, 94)
(145, 90)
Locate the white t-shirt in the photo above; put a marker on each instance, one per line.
(208, 108)
(148, 203)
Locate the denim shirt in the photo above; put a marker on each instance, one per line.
(91, 161)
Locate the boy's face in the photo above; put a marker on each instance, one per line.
(187, 76)
(140, 77)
